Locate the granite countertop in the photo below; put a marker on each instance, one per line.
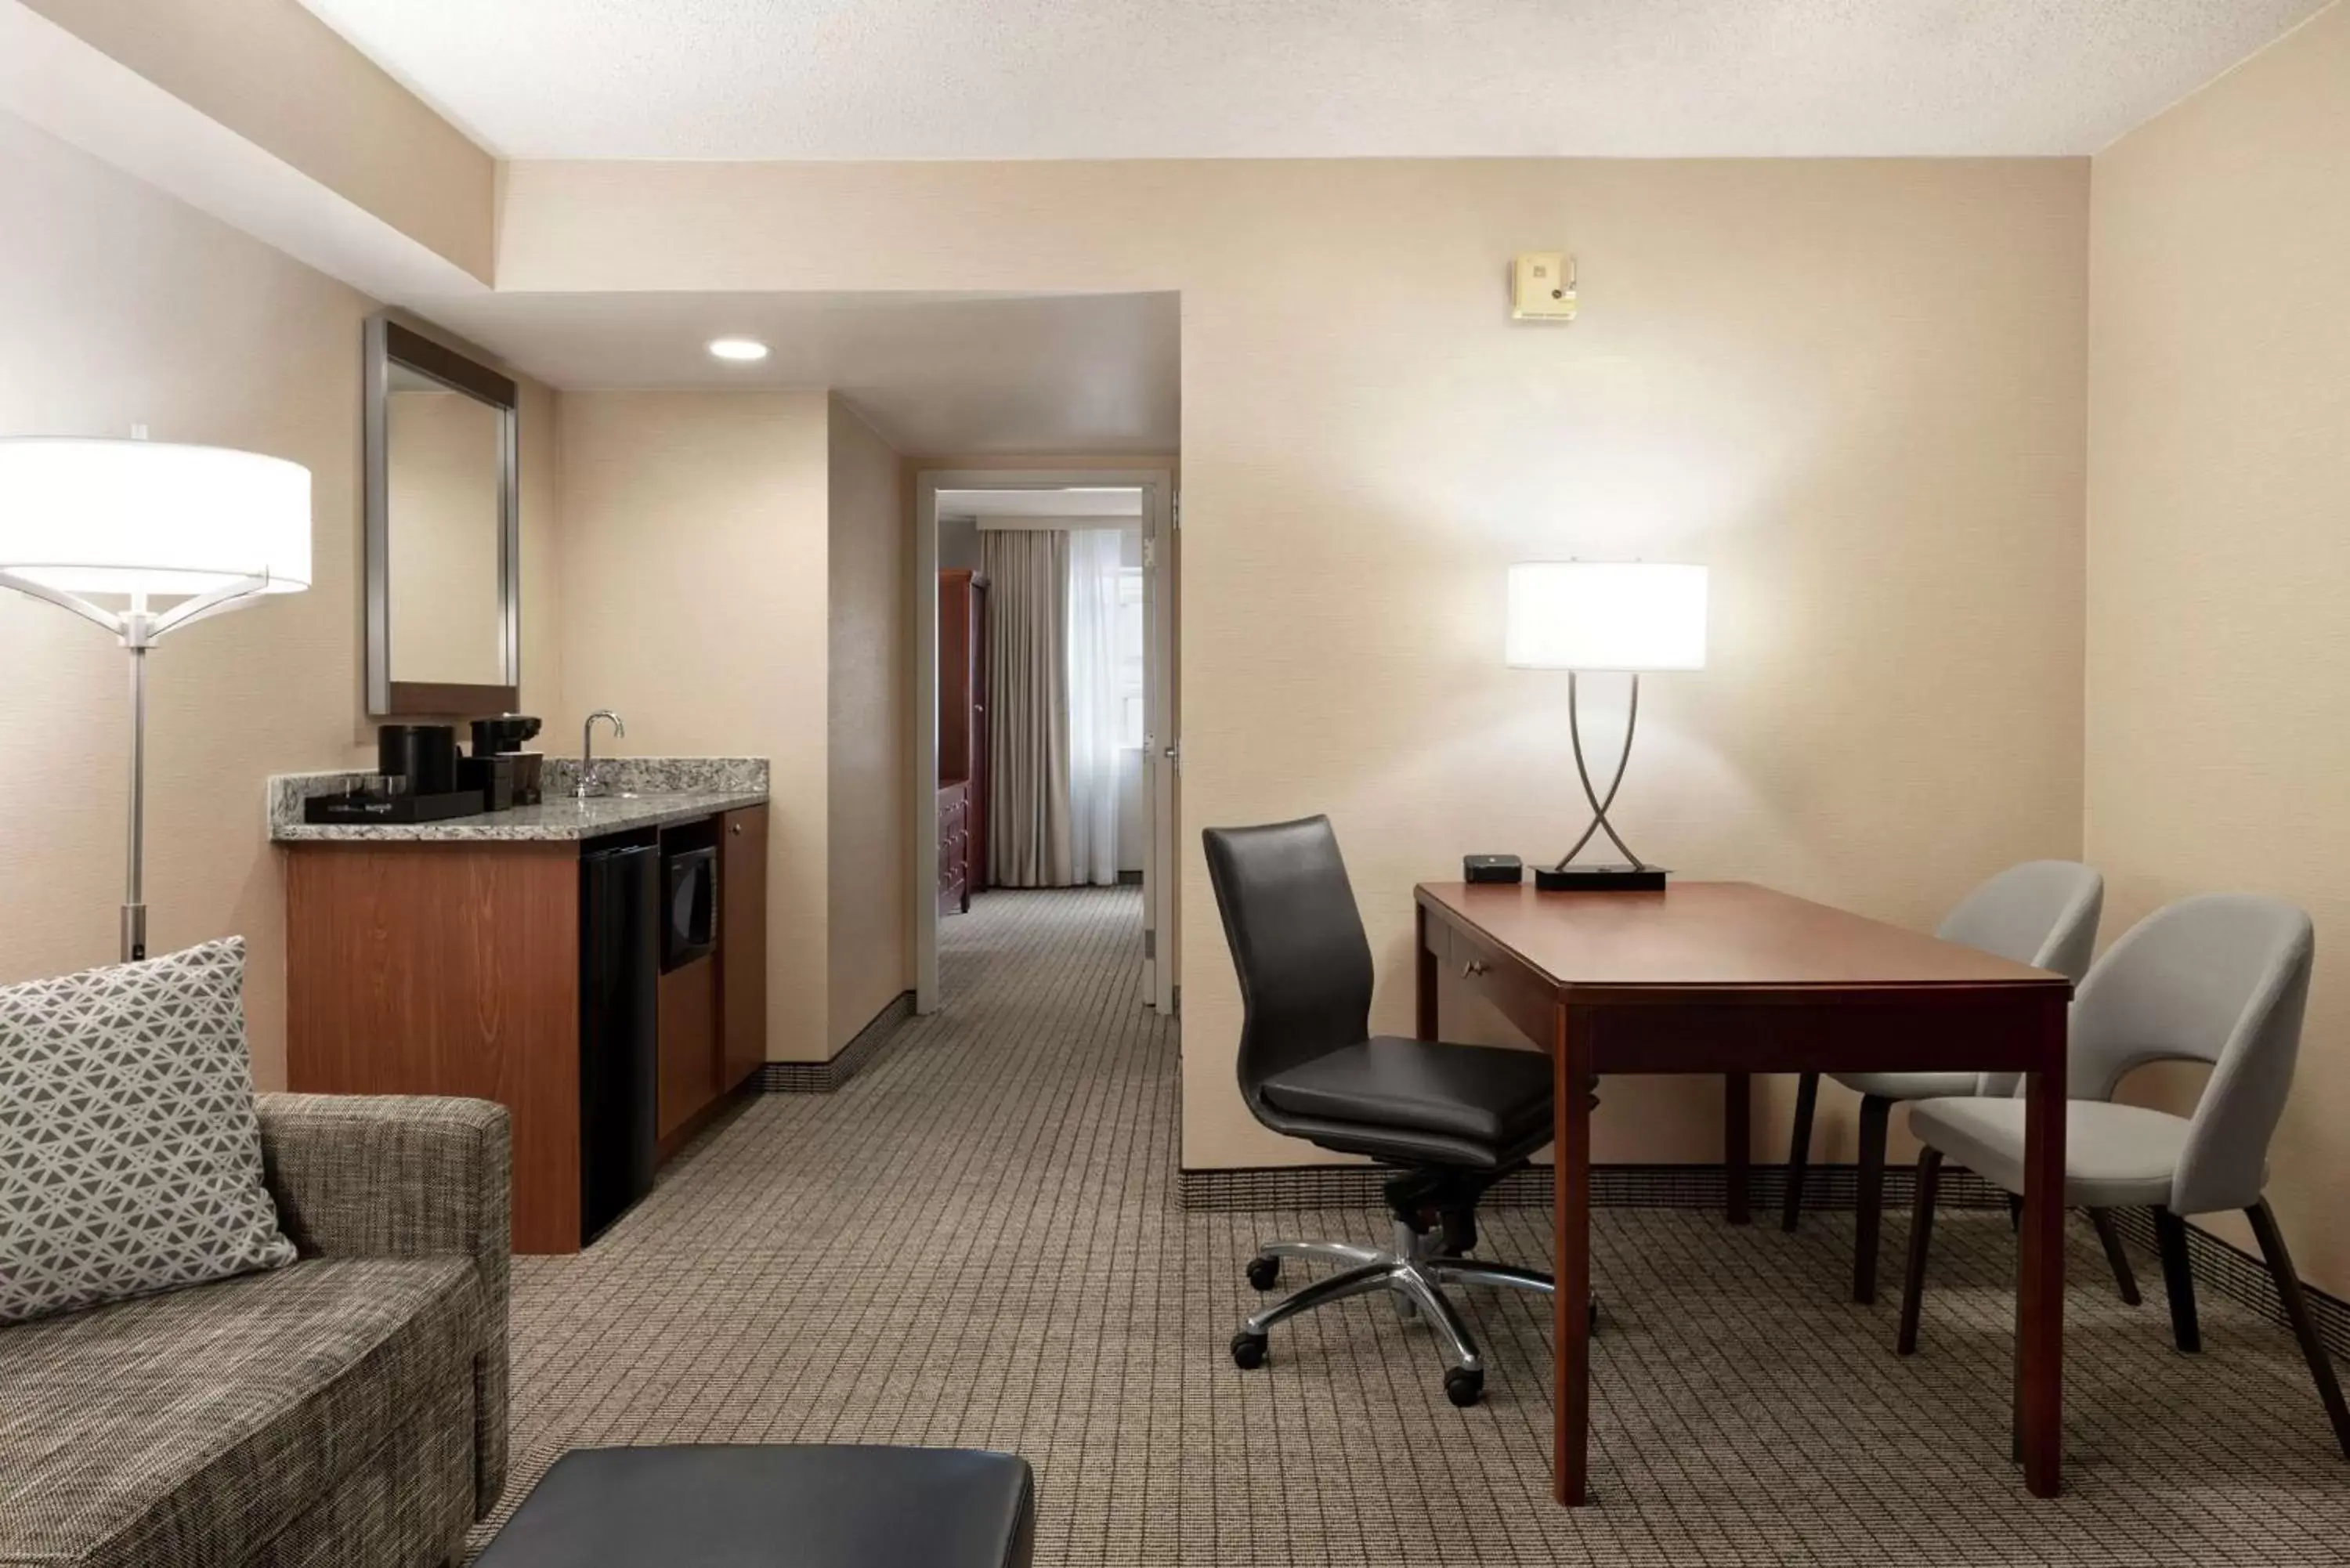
(642, 791)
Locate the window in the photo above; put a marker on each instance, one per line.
(1131, 689)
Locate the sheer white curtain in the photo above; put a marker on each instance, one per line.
(1097, 714)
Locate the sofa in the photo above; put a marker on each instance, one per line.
(348, 1410)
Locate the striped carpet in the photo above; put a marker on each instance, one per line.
(975, 1243)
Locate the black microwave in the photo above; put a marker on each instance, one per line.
(689, 926)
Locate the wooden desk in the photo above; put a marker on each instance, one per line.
(1727, 977)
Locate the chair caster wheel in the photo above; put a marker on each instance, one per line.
(1463, 1386)
(1249, 1350)
(1263, 1271)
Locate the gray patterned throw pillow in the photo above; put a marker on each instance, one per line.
(130, 1157)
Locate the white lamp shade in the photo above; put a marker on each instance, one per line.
(149, 517)
(1607, 615)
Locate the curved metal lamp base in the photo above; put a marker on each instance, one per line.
(1636, 875)
(1599, 878)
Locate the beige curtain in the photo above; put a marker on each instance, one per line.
(1028, 837)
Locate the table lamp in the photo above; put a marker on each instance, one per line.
(1588, 616)
(208, 528)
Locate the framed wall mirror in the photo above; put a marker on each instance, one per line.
(443, 530)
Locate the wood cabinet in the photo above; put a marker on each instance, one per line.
(455, 967)
(687, 1050)
(742, 946)
(966, 774)
(447, 969)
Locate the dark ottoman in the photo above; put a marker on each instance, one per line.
(773, 1506)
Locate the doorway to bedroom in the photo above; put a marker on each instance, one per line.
(1053, 756)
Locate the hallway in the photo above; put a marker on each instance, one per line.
(976, 1242)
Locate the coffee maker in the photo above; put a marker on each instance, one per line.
(504, 774)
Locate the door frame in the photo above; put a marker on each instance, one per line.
(1162, 728)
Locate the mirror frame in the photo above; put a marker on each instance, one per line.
(388, 344)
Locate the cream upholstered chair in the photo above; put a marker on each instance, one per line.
(2042, 913)
(2221, 979)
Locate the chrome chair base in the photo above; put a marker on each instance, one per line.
(1415, 1272)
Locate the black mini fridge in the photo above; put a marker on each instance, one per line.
(620, 972)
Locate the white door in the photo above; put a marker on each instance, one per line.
(1162, 754)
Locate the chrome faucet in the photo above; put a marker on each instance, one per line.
(588, 748)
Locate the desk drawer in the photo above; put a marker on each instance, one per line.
(1500, 979)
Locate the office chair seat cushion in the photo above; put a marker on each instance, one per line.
(1907, 1085)
(2114, 1155)
(807, 1505)
(1481, 1095)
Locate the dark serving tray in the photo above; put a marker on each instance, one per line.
(401, 808)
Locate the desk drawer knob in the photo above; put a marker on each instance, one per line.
(1474, 968)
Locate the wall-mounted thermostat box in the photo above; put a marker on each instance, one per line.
(1541, 286)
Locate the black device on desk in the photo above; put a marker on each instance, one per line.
(1493, 869)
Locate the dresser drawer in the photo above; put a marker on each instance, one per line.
(955, 843)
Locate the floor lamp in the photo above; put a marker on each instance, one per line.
(206, 528)
(1628, 616)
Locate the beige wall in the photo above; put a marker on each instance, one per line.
(117, 306)
(694, 601)
(275, 75)
(1855, 389)
(870, 762)
(2219, 546)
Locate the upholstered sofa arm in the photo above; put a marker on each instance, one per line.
(400, 1176)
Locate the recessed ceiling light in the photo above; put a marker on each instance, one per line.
(743, 349)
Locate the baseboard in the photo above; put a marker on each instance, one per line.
(2218, 1265)
(1612, 1186)
(824, 1077)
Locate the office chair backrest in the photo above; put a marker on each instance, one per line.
(2223, 979)
(1296, 939)
(2044, 913)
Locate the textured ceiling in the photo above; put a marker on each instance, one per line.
(936, 374)
(1263, 79)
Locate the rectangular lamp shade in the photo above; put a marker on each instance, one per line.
(1607, 615)
(87, 516)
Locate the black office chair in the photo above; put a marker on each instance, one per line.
(1450, 1120)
